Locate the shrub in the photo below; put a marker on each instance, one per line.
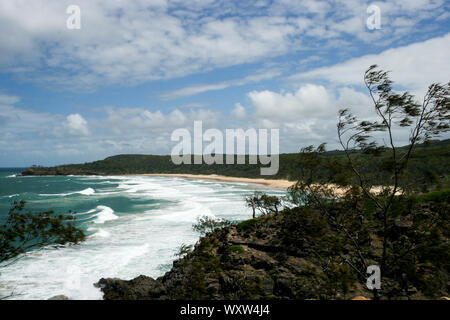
(236, 249)
(246, 225)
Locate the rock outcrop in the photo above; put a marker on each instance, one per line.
(297, 254)
(250, 260)
(59, 298)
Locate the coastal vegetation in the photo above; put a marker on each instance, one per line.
(206, 224)
(428, 167)
(390, 210)
(297, 254)
(321, 246)
(24, 231)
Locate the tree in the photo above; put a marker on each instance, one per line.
(183, 250)
(25, 231)
(377, 222)
(426, 120)
(262, 202)
(207, 224)
(251, 201)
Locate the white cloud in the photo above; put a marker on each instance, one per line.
(308, 101)
(130, 42)
(197, 89)
(6, 99)
(77, 125)
(414, 67)
(308, 115)
(239, 112)
(52, 138)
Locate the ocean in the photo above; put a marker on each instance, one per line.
(135, 226)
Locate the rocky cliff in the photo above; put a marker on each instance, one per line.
(251, 260)
(299, 254)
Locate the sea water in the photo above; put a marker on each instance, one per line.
(135, 225)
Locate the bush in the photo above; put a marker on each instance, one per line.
(207, 224)
(236, 249)
(184, 250)
(246, 225)
(437, 196)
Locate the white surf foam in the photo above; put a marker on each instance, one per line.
(100, 233)
(105, 214)
(11, 196)
(141, 242)
(85, 192)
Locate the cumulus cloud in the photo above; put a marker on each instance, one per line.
(307, 115)
(239, 112)
(51, 139)
(133, 42)
(308, 101)
(130, 42)
(414, 66)
(77, 125)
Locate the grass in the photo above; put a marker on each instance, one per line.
(246, 225)
(236, 249)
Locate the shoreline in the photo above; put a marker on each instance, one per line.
(281, 184)
(275, 184)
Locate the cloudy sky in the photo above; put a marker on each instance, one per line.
(139, 69)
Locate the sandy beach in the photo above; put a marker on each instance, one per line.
(276, 184)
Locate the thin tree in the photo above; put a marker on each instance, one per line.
(426, 120)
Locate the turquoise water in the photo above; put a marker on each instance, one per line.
(135, 225)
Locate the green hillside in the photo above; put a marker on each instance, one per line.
(431, 160)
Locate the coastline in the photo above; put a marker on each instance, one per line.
(275, 184)
(281, 184)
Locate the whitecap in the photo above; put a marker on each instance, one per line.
(105, 214)
(85, 192)
(100, 233)
(143, 241)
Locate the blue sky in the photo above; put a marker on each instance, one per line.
(137, 70)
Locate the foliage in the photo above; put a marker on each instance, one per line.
(381, 223)
(437, 196)
(24, 231)
(262, 202)
(236, 249)
(246, 224)
(207, 224)
(184, 250)
(203, 263)
(428, 157)
(418, 253)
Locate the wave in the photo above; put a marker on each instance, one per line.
(85, 192)
(105, 214)
(160, 214)
(12, 176)
(11, 196)
(100, 233)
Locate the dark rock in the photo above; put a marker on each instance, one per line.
(140, 288)
(59, 297)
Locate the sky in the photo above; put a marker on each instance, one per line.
(135, 71)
